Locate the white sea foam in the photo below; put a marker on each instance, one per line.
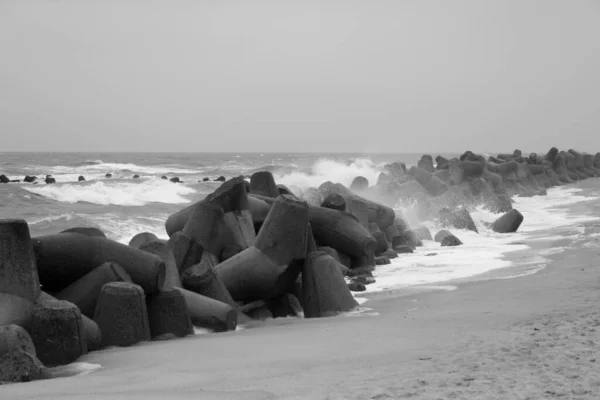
(122, 193)
(328, 170)
(74, 369)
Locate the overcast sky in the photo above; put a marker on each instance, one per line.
(361, 76)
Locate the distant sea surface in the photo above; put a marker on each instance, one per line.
(122, 206)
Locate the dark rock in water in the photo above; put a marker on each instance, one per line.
(362, 271)
(108, 176)
(382, 260)
(81, 178)
(136, 176)
(175, 180)
(87, 231)
(205, 179)
(517, 153)
(459, 219)
(509, 222)
(19, 366)
(164, 177)
(15, 181)
(446, 238)
(220, 179)
(451, 241)
(423, 233)
(360, 183)
(49, 179)
(356, 287)
(29, 179)
(4, 179)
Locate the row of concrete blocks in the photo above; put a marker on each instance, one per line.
(50, 179)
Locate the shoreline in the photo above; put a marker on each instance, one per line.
(530, 337)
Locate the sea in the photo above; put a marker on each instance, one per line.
(122, 206)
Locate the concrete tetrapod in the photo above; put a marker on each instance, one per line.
(233, 198)
(434, 185)
(263, 183)
(57, 331)
(84, 292)
(378, 213)
(255, 273)
(168, 313)
(66, 257)
(122, 315)
(15, 338)
(446, 238)
(341, 231)
(142, 238)
(335, 202)
(91, 331)
(19, 284)
(202, 278)
(162, 250)
(209, 313)
(509, 222)
(325, 291)
(20, 366)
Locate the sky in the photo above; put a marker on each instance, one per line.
(299, 76)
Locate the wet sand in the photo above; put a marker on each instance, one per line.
(534, 337)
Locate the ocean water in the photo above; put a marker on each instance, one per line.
(122, 206)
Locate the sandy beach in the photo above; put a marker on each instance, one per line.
(534, 337)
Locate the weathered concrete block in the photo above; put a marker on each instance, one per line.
(509, 222)
(20, 366)
(168, 313)
(122, 315)
(15, 338)
(19, 284)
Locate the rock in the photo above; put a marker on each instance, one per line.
(509, 222)
(142, 238)
(122, 315)
(168, 313)
(49, 179)
(423, 233)
(28, 179)
(4, 179)
(81, 178)
(426, 163)
(451, 241)
(391, 254)
(403, 249)
(356, 287)
(164, 177)
(65, 257)
(360, 183)
(20, 366)
(15, 338)
(85, 291)
(220, 179)
(335, 202)
(325, 291)
(459, 219)
(205, 179)
(175, 180)
(258, 271)
(382, 260)
(19, 283)
(108, 176)
(136, 176)
(446, 238)
(263, 183)
(57, 331)
(434, 185)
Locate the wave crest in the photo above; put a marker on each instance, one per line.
(116, 193)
